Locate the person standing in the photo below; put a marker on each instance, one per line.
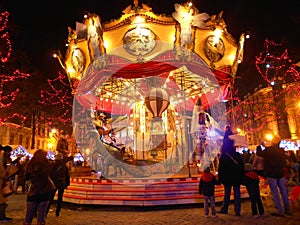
(207, 188)
(61, 178)
(251, 181)
(38, 171)
(230, 174)
(62, 144)
(258, 162)
(4, 177)
(274, 164)
(227, 133)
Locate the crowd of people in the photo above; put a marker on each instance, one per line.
(45, 176)
(269, 163)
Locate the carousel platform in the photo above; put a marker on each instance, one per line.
(155, 190)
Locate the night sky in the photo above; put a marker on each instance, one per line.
(40, 27)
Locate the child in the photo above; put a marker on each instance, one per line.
(207, 188)
(251, 181)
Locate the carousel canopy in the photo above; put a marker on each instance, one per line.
(120, 82)
(121, 60)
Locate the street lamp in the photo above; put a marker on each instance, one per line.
(52, 140)
(50, 145)
(269, 137)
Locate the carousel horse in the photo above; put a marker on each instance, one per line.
(112, 156)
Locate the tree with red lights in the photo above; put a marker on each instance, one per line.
(270, 105)
(58, 96)
(32, 101)
(281, 73)
(8, 75)
(274, 63)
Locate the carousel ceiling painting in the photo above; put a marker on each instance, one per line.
(188, 56)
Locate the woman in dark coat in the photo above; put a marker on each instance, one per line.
(230, 174)
(38, 171)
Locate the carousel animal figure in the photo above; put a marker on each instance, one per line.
(111, 155)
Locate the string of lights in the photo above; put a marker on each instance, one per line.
(7, 95)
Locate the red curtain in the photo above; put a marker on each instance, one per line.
(161, 66)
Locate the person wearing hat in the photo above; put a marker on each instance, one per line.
(207, 188)
(274, 163)
(251, 181)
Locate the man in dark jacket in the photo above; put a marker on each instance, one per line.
(274, 163)
(230, 174)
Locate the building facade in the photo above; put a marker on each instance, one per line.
(258, 114)
(13, 134)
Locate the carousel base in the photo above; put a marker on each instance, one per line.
(180, 189)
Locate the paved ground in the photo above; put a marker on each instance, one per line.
(73, 214)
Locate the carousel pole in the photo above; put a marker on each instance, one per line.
(186, 139)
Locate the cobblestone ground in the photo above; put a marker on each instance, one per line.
(73, 214)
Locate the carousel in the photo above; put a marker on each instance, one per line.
(149, 94)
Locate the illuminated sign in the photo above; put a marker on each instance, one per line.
(288, 145)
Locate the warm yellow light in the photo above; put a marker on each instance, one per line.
(232, 57)
(173, 38)
(106, 44)
(238, 130)
(269, 137)
(217, 35)
(138, 20)
(70, 70)
(50, 145)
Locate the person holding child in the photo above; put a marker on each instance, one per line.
(207, 188)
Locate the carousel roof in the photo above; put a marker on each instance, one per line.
(122, 59)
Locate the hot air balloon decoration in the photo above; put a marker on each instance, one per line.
(157, 101)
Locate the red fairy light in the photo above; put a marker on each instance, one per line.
(6, 76)
(60, 95)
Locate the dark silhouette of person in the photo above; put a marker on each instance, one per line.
(38, 171)
(207, 188)
(230, 174)
(251, 181)
(61, 178)
(5, 152)
(274, 164)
